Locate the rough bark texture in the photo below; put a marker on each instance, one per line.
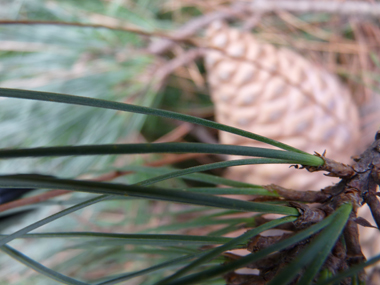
(358, 186)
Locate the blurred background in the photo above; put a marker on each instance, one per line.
(126, 59)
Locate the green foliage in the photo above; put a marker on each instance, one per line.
(173, 195)
(101, 69)
(69, 60)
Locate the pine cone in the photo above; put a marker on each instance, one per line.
(278, 94)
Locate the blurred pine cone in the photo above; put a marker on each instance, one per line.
(279, 94)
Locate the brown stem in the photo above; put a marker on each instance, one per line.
(334, 168)
(353, 249)
(371, 199)
(260, 220)
(33, 199)
(260, 242)
(336, 261)
(267, 262)
(306, 6)
(376, 174)
(120, 27)
(300, 196)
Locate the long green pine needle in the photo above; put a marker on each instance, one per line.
(85, 101)
(39, 267)
(315, 253)
(227, 246)
(135, 238)
(39, 181)
(223, 269)
(114, 149)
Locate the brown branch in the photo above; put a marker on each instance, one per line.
(260, 220)
(376, 174)
(120, 27)
(354, 252)
(192, 27)
(307, 6)
(300, 196)
(32, 200)
(374, 205)
(260, 242)
(181, 60)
